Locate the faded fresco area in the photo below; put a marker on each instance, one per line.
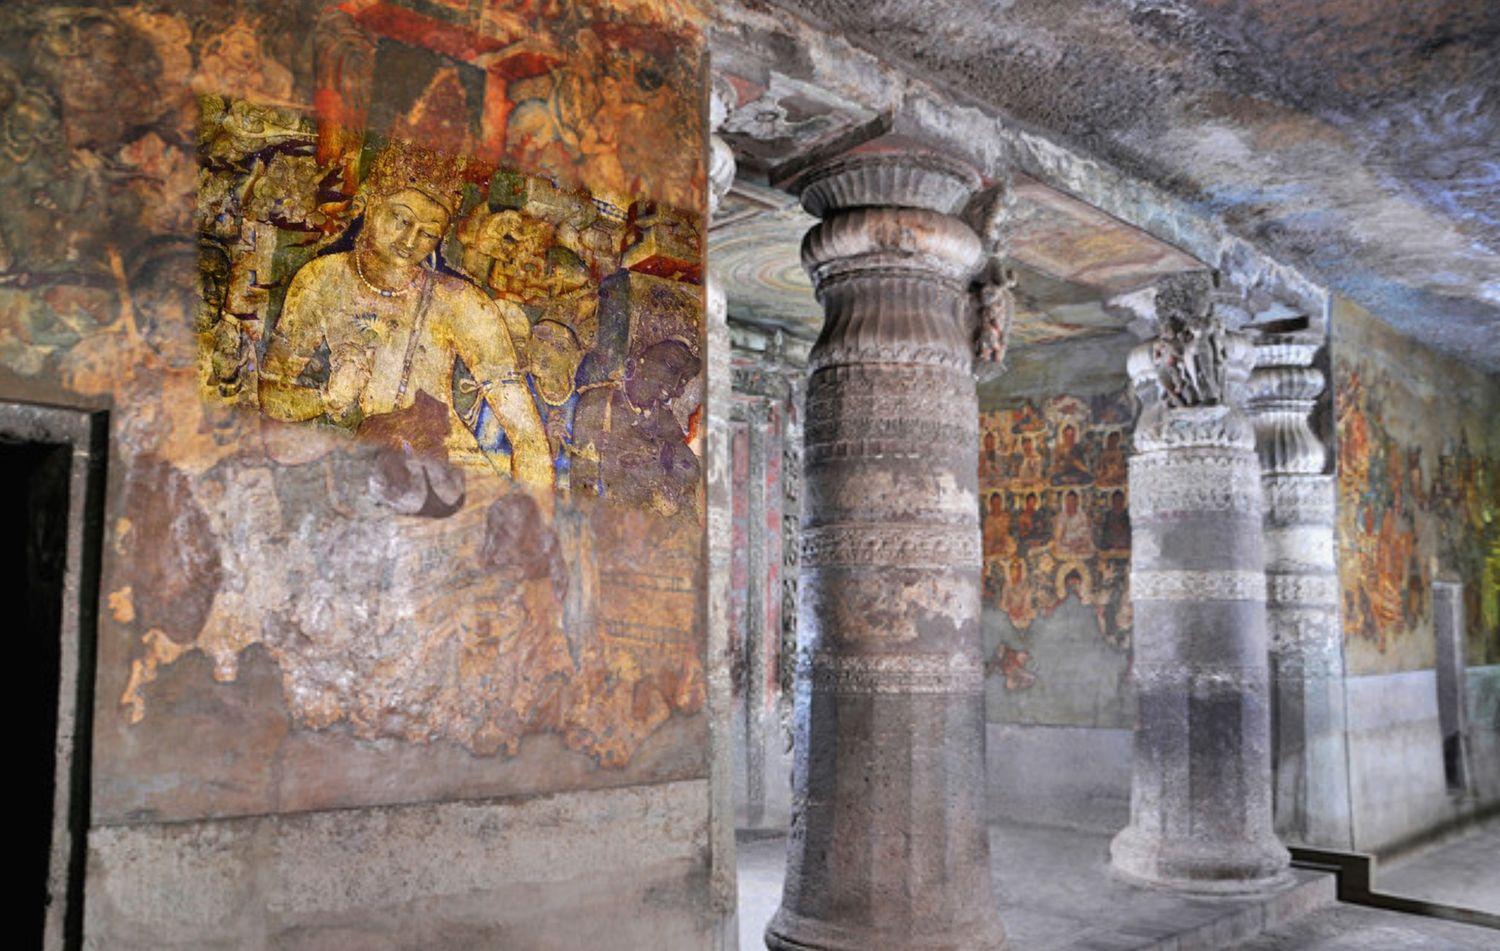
(396, 309)
(1419, 496)
(1056, 529)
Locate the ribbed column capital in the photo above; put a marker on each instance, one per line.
(894, 179)
(1284, 389)
(891, 240)
(892, 261)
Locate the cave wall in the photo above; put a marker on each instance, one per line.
(402, 635)
(1056, 611)
(1418, 502)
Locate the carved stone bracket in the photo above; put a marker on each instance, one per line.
(1191, 352)
(994, 293)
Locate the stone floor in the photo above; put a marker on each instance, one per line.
(1355, 928)
(1056, 893)
(1463, 871)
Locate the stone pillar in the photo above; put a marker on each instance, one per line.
(888, 846)
(717, 401)
(1200, 798)
(1310, 766)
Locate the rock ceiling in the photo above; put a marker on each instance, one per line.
(1351, 144)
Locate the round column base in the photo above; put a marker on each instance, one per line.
(790, 932)
(1237, 867)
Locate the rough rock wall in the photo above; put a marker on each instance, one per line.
(397, 311)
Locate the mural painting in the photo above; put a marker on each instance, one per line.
(1056, 527)
(1419, 498)
(397, 308)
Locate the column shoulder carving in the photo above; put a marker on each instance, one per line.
(1192, 377)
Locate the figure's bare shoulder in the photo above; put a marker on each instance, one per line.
(460, 292)
(328, 273)
(321, 268)
(471, 313)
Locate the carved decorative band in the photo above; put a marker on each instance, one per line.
(1198, 585)
(920, 432)
(894, 673)
(1194, 481)
(899, 388)
(1299, 500)
(1302, 589)
(891, 546)
(845, 437)
(1177, 675)
(841, 354)
(1304, 630)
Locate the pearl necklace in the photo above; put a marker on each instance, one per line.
(359, 270)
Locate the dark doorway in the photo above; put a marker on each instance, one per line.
(52, 462)
(34, 512)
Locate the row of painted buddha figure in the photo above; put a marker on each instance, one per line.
(1076, 457)
(1022, 523)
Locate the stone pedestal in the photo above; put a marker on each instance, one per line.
(1310, 767)
(888, 846)
(1200, 803)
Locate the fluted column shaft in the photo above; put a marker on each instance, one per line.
(888, 846)
(1309, 762)
(1200, 805)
